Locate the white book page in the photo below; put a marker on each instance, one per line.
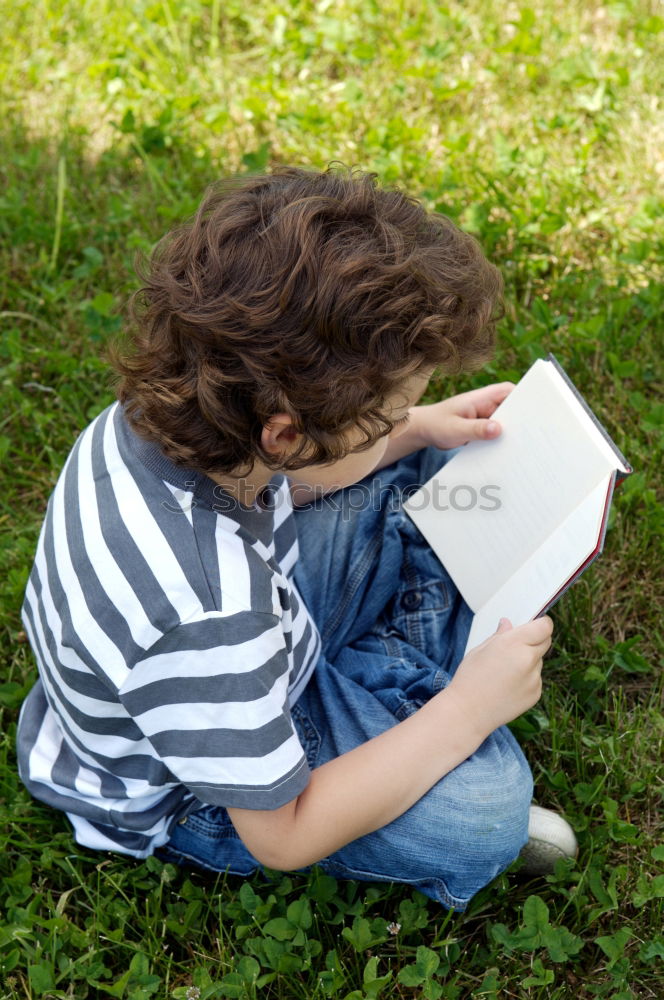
(540, 469)
(588, 424)
(548, 570)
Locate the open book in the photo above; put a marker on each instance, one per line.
(517, 519)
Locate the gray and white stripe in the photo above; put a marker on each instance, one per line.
(170, 641)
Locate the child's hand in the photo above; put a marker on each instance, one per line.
(501, 678)
(461, 418)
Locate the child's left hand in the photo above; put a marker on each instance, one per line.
(461, 418)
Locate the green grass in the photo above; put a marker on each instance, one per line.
(538, 127)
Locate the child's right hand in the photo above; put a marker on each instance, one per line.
(369, 786)
(502, 678)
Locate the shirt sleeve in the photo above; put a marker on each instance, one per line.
(212, 698)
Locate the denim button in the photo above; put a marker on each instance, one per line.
(411, 600)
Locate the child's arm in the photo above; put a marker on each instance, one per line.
(453, 422)
(376, 782)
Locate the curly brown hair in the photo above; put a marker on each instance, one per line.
(311, 293)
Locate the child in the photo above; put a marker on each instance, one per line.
(207, 693)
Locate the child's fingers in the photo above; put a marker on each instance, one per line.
(476, 428)
(486, 399)
(491, 429)
(536, 633)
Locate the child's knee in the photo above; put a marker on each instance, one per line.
(486, 801)
(457, 838)
(496, 819)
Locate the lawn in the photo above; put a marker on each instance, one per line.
(538, 127)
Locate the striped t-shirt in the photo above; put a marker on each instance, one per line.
(171, 643)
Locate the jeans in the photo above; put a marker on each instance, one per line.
(393, 628)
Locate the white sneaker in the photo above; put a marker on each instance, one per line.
(549, 837)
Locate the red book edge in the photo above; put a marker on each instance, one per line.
(616, 478)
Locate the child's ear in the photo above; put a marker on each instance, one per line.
(279, 434)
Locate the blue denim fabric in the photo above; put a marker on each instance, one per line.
(394, 629)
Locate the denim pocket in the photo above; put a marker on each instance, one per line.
(207, 839)
(427, 611)
(418, 614)
(211, 822)
(308, 735)
(419, 594)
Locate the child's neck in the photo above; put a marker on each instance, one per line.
(246, 489)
